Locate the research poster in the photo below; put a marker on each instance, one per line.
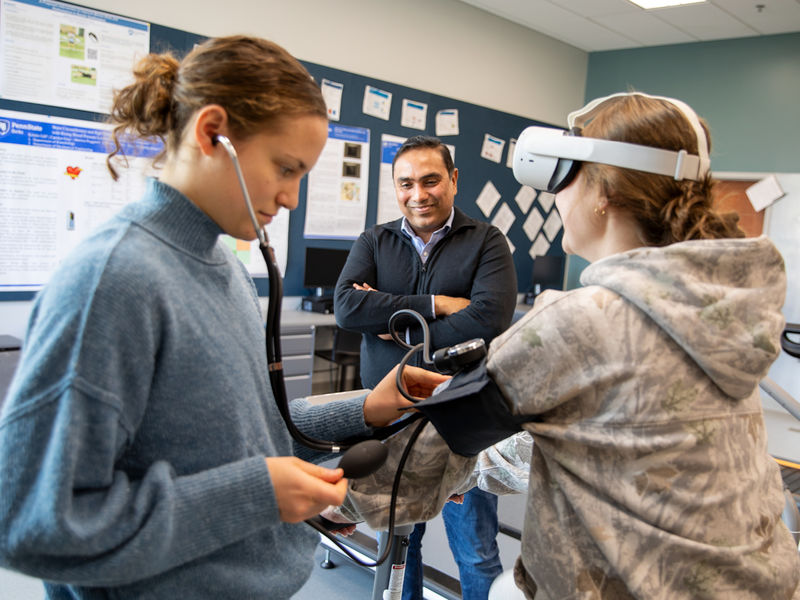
(64, 55)
(336, 203)
(388, 210)
(249, 252)
(54, 189)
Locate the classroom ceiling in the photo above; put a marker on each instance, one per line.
(596, 25)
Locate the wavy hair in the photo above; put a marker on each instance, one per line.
(256, 81)
(666, 210)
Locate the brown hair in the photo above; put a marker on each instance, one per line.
(256, 81)
(666, 210)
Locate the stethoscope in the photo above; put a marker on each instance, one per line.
(360, 458)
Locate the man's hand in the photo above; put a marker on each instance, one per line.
(382, 404)
(365, 287)
(302, 489)
(447, 305)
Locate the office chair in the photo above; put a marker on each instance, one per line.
(9, 357)
(345, 353)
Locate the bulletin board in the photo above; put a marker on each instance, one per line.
(529, 220)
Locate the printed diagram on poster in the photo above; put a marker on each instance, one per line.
(336, 205)
(332, 94)
(414, 114)
(55, 188)
(65, 55)
(377, 103)
(447, 122)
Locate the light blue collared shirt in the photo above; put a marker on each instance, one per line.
(424, 249)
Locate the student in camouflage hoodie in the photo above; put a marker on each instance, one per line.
(649, 473)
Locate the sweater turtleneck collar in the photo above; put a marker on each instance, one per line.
(170, 215)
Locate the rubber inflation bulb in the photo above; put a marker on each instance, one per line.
(363, 459)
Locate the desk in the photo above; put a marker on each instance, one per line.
(301, 333)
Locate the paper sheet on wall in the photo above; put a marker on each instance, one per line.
(504, 218)
(447, 122)
(546, 200)
(552, 225)
(336, 203)
(55, 189)
(525, 197)
(332, 94)
(387, 199)
(533, 224)
(492, 148)
(488, 198)
(539, 247)
(414, 114)
(377, 103)
(512, 144)
(66, 55)
(764, 192)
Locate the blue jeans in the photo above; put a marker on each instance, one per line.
(471, 531)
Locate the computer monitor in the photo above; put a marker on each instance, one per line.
(322, 268)
(548, 273)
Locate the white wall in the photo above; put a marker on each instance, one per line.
(782, 224)
(441, 46)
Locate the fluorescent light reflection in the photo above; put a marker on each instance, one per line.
(649, 4)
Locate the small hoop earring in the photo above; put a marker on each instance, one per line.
(600, 212)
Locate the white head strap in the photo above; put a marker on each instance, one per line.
(579, 117)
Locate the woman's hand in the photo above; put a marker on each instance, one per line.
(302, 489)
(384, 402)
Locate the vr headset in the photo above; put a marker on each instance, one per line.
(549, 159)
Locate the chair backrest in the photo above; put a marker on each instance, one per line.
(8, 364)
(346, 341)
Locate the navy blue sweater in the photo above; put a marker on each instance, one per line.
(471, 261)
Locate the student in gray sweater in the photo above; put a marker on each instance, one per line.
(141, 451)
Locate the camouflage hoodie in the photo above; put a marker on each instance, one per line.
(649, 474)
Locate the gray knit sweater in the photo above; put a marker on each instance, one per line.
(133, 438)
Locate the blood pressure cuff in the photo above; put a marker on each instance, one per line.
(470, 412)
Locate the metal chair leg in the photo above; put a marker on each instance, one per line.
(327, 563)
